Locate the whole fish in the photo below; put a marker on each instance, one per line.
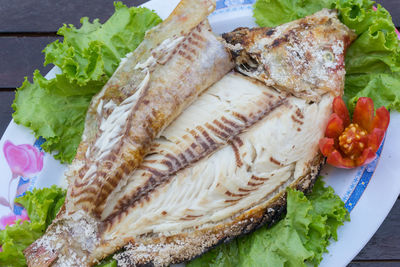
(220, 168)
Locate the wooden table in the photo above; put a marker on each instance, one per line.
(26, 26)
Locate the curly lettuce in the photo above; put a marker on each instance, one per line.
(55, 109)
(372, 61)
(299, 239)
(271, 13)
(42, 205)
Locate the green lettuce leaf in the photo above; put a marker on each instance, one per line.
(107, 263)
(14, 240)
(378, 86)
(372, 61)
(42, 206)
(95, 50)
(58, 118)
(55, 109)
(297, 240)
(271, 13)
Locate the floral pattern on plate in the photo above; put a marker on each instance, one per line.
(25, 162)
(229, 3)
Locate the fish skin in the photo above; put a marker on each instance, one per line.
(139, 106)
(304, 57)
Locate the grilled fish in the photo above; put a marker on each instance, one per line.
(219, 169)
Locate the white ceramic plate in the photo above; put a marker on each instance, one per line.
(25, 166)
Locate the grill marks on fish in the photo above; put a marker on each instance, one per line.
(273, 160)
(236, 143)
(194, 39)
(253, 185)
(129, 130)
(296, 120)
(200, 139)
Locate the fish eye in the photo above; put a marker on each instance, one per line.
(328, 56)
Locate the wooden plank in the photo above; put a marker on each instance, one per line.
(49, 15)
(385, 244)
(19, 57)
(6, 99)
(393, 6)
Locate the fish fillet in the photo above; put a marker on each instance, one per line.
(219, 169)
